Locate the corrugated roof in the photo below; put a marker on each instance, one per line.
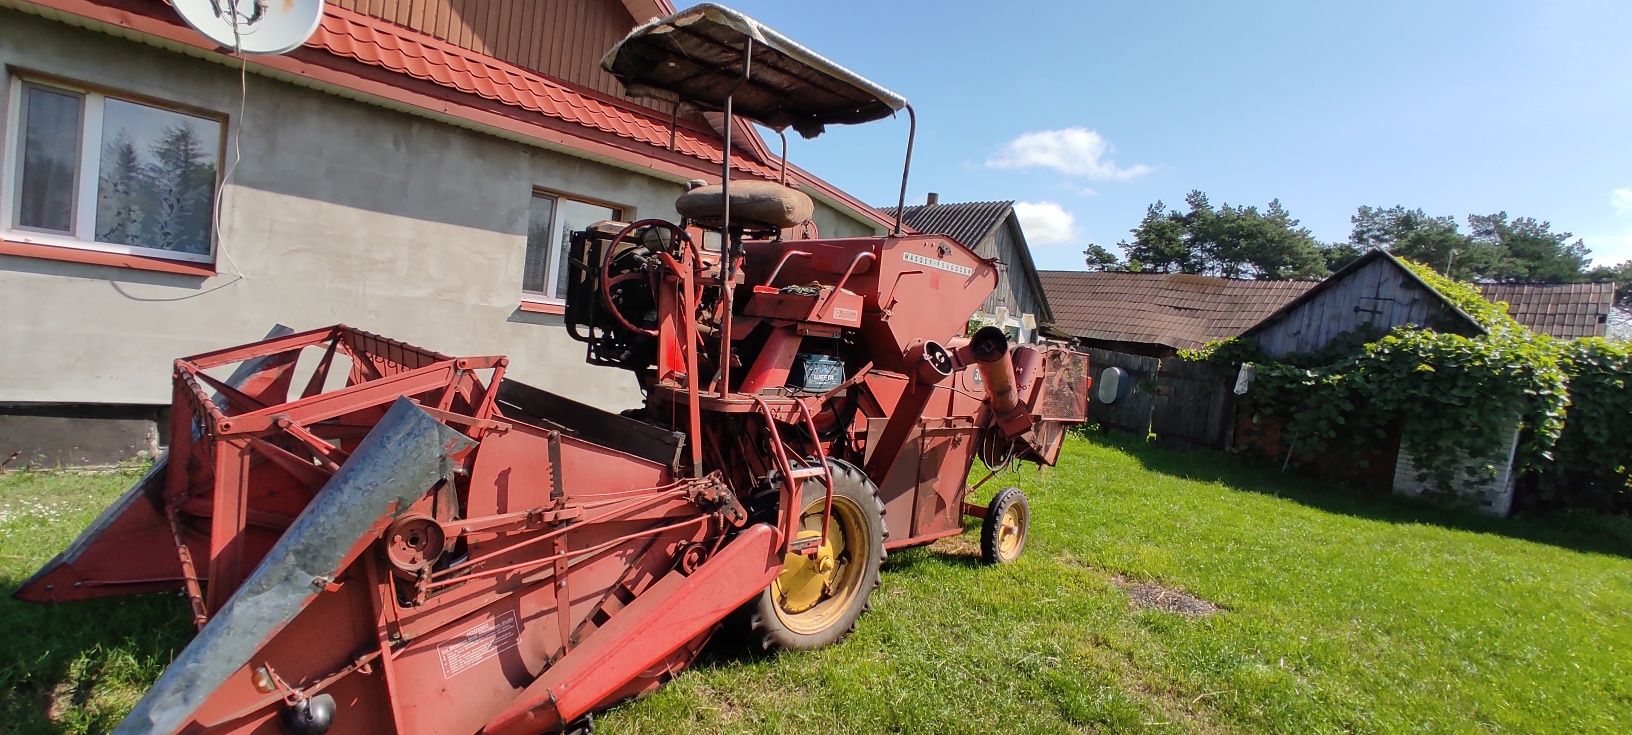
(971, 222)
(1177, 310)
(1564, 310)
(967, 222)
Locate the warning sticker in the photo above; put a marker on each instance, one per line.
(479, 644)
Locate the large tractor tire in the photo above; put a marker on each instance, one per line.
(815, 601)
(1003, 531)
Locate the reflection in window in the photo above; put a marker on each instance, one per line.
(156, 186)
(105, 173)
(50, 157)
(550, 225)
(571, 217)
(536, 271)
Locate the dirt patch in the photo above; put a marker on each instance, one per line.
(956, 546)
(1154, 596)
(63, 699)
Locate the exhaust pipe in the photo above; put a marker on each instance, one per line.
(990, 350)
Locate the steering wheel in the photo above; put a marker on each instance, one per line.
(608, 281)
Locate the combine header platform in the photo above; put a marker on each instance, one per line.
(377, 538)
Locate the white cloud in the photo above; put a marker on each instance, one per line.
(1074, 151)
(1621, 200)
(1045, 223)
(1609, 248)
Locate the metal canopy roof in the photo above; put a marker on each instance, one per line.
(696, 56)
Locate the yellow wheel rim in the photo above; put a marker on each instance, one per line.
(813, 592)
(1011, 532)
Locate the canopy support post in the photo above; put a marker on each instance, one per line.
(782, 177)
(906, 168)
(730, 246)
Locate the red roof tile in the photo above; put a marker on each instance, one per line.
(633, 133)
(379, 43)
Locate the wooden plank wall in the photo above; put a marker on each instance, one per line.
(1184, 404)
(1194, 405)
(1131, 414)
(1379, 294)
(1012, 286)
(560, 38)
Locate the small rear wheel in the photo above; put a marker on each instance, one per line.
(1003, 531)
(817, 599)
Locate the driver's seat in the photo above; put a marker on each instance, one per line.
(755, 205)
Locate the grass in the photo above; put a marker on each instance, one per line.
(74, 668)
(1337, 614)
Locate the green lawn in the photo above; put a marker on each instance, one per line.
(1338, 614)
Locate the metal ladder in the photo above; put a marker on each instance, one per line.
(793, 479)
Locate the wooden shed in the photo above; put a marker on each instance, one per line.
(1367, 297)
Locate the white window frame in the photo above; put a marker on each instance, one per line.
(82, 236)
(552, 269)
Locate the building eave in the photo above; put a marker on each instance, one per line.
(325, 70)
(1030, 267)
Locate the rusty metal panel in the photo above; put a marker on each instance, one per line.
(943, 470)
(563, 39)
(406, 453)
(1065, 386)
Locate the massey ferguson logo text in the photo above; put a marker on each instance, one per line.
(961, 270)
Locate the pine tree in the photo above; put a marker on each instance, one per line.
(183, 177)
(119, 192)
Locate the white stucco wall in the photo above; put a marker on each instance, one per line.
(340, 211)
(830, 222)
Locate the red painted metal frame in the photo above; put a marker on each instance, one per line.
(244, 459)
(616, 567)
(571, 574)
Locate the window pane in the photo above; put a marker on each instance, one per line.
(537, 267)
(156, 186)
(571, 217)
(50, 157)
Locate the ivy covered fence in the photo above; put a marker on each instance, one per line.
(1451, 398)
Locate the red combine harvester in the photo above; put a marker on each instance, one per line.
(376, 538)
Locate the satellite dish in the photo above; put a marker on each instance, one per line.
(254, 26)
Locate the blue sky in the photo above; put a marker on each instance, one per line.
(1090, 111)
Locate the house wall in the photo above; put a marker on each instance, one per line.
(830, 222)
(339, 211)
(1378, 295)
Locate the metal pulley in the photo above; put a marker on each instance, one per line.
(413, 543)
